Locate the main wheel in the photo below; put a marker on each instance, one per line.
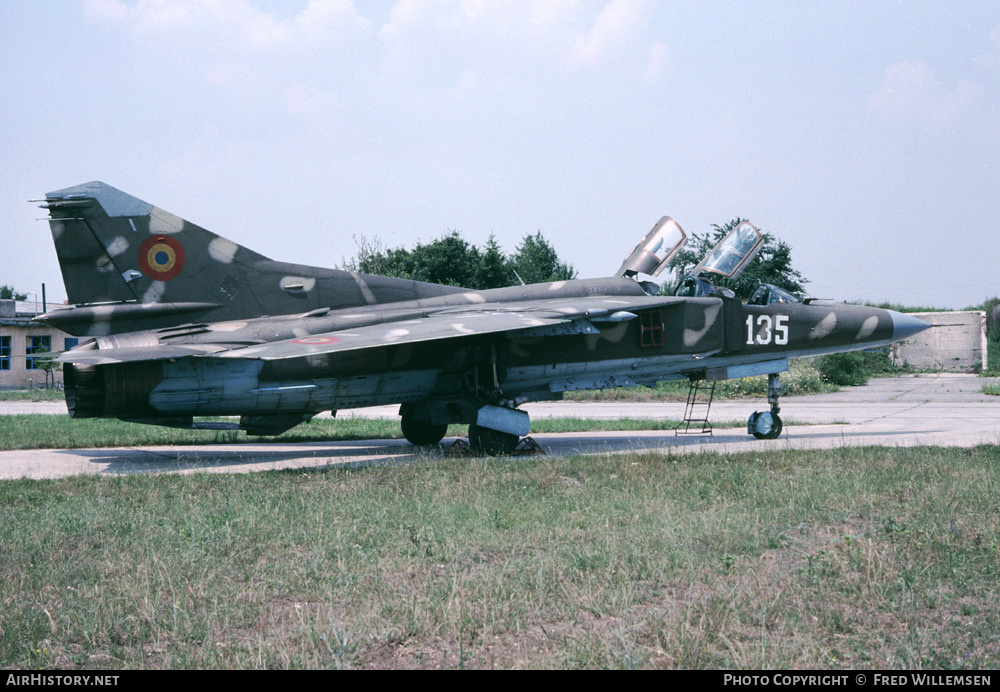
(765, 425)
(491, 442)
(422, 434)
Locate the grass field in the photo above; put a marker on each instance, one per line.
(35, 394)
(866, 558)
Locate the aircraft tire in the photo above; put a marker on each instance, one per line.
(491, 442)
(774, 432)
(422, 434)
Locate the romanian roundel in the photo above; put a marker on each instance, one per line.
(316, 340)
(161, 258)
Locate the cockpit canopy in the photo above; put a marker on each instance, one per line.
(733, 253)
(654, 252)
(729, 258)
(693, 287)
(767, 294)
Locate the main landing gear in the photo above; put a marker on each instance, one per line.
(418, 427)
(422, 433)
(492, 442)
(766, 425)
(496, 430)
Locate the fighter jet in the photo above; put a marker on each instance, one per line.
(187, 324)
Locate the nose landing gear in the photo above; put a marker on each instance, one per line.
(766, 425)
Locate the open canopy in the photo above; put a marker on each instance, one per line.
(732, 255)
(655, 251)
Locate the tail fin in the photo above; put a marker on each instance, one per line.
(115, 248)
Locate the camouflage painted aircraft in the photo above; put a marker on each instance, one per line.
(188, 324)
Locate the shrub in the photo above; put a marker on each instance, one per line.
(854, 368)
(992, 309)
(844, 369)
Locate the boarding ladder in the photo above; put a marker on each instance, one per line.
(699, 403)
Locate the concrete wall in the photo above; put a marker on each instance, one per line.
(957, 342)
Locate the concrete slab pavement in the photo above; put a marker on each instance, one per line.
(945, 410)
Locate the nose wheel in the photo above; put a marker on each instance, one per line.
(766, 425)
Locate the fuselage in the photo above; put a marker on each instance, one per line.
(669, 338)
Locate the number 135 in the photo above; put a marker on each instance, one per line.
(768, 329)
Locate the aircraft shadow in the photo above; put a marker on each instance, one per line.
(344, 455)
(371, 453)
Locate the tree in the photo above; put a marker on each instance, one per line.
(537, 262)
(374, 258)
(773, 265)
(449, 260)
(10, 293)
(494, 267)
(452, 261)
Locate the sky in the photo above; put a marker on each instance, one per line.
(865, 134)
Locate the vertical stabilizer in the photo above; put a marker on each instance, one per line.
(115, 248)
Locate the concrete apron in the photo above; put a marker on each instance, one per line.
(938, 410)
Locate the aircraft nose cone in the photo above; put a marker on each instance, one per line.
(905, 326)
